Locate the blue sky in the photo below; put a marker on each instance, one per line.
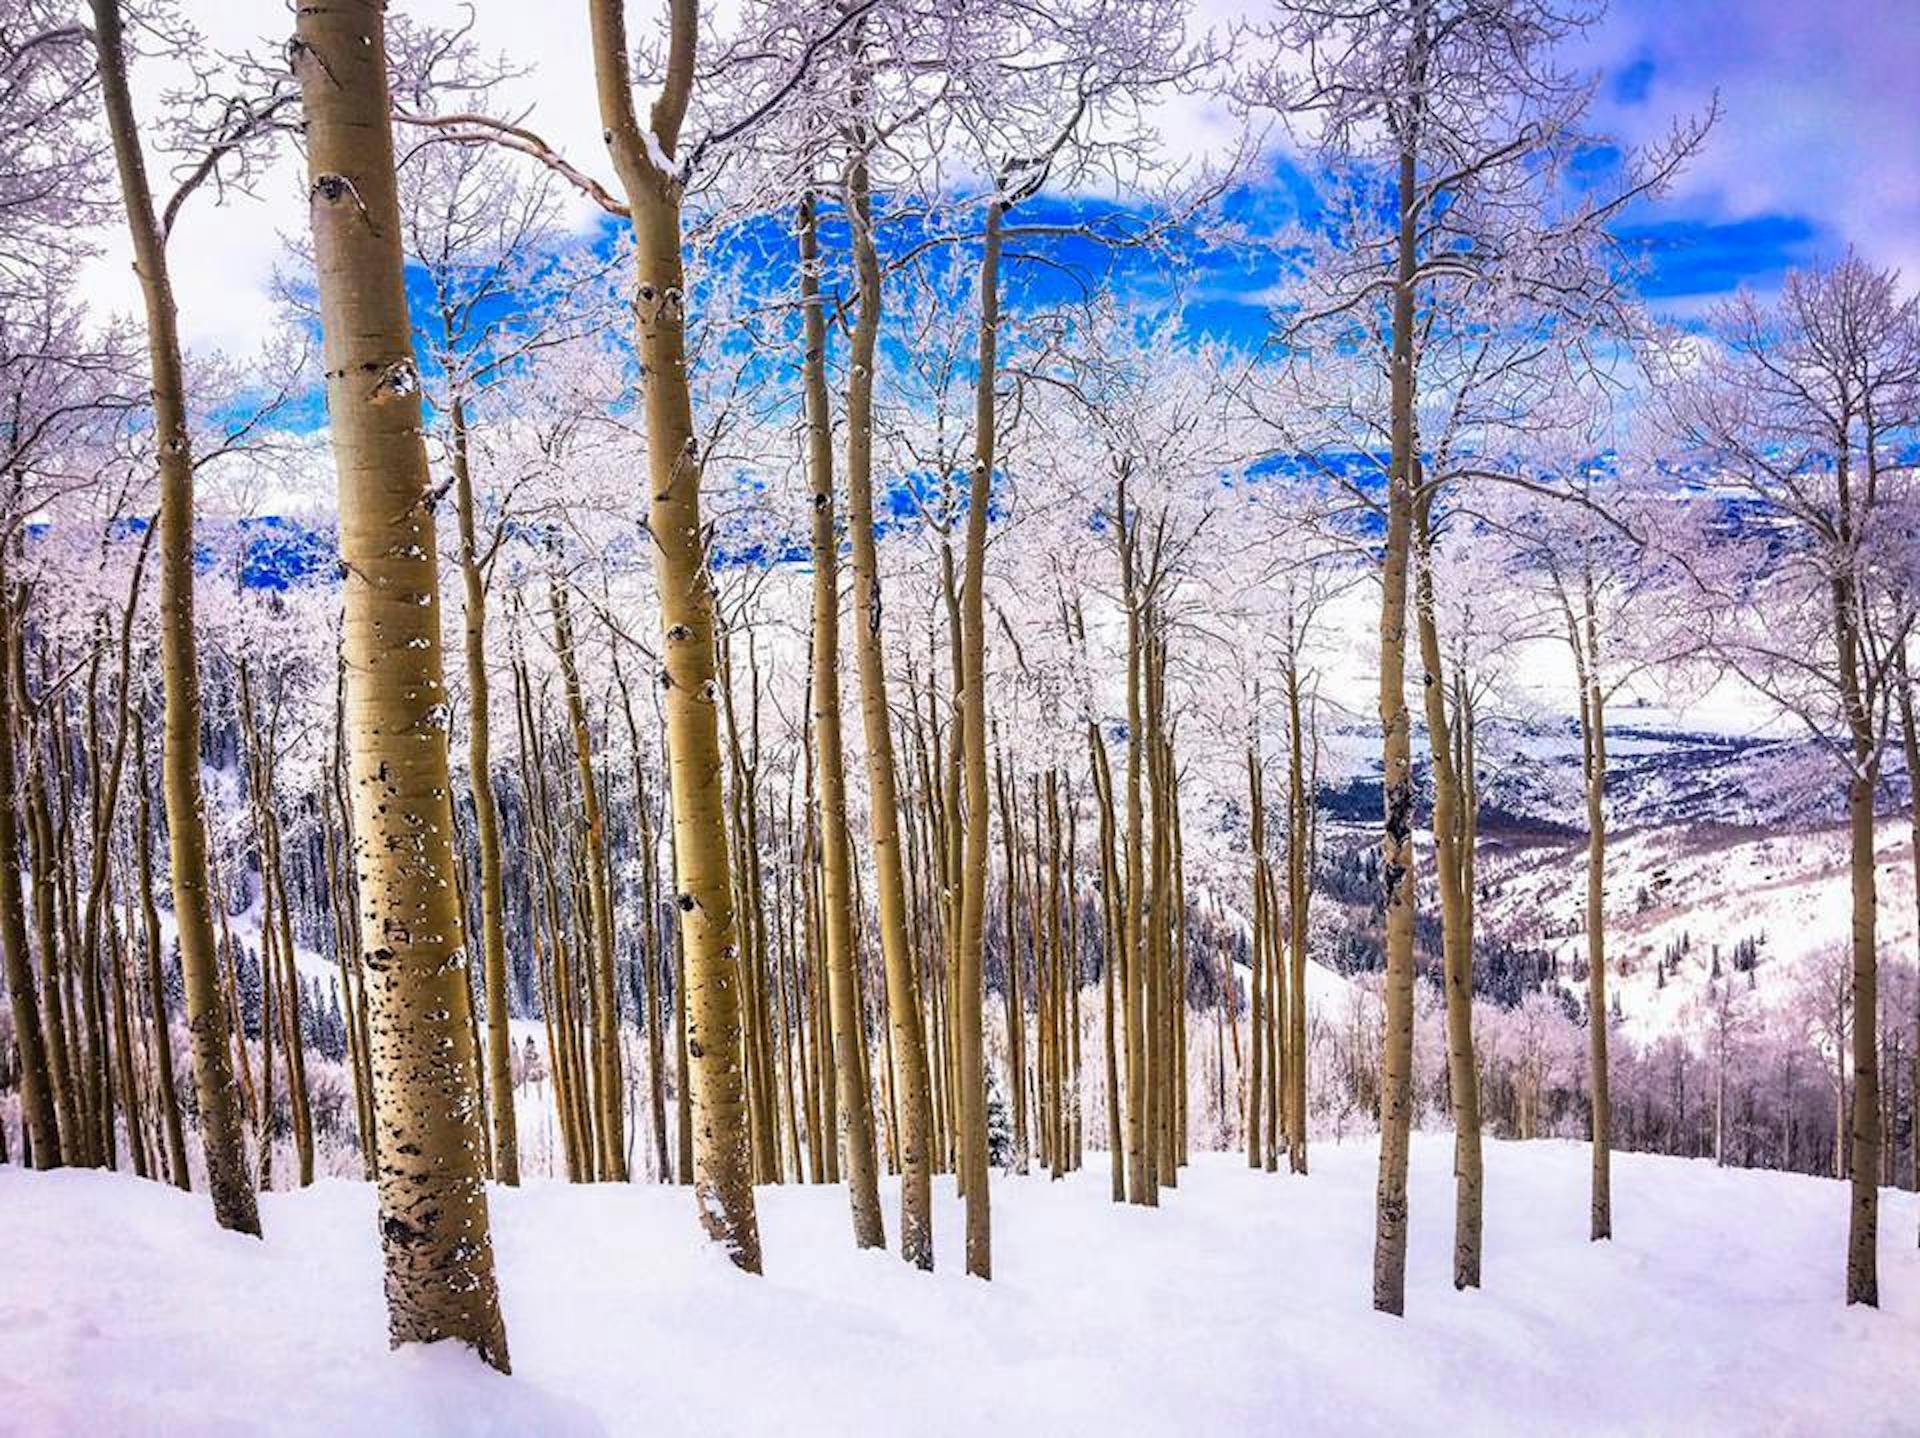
(1818, 146)
(1691, 260)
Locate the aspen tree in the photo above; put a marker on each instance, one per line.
(890, 1107)
(644, 160)
(964, 1105)
(249, 1091)
(743, 827)
(783, 968)
(577, 927)
(608, 1083)
(234, 1205)
(569, 1081)
(1396, 842)
(1176, 859)
(433, 1206)
(1076, 1118)
(1276, 1056)
(347, 925)
(907, 1035)
(92, 1055)
(764, 1108)
(265, 1109)
(1227, 1018)
(1133, 899)
(571, 1087)
(865, 1026)
(107, 763)
(1011, 993)
(854, 1097)
(820, 1141)
(1299, 861)
(1256, 1012)
(1910, 753)
(486, 814)
(742, 803)
(1583, 635)
(1115, 930)
(292, 1029)
(167, 1098)
(61, 1073)
(822, 1072)
(946, 819)
(1059, 1146)
(1826, 379)
(38, 1115)
(652, 956)
(656, 965)
(275, 919)
(1164, 1006)
(1166, 925)
(923, 956)
(128, 1091)
(346, 958)
(930, 829)
(1463, 1076)
(1034, 877)
(969, 980)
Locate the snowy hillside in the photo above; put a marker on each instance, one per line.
(1688, 899)
(1240, 1305)
(1726, 860)
(1657, 774)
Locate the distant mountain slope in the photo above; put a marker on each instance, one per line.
(1764, 910)
(1726, 863)
(1530, 778)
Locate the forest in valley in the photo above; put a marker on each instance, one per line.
(900, 625)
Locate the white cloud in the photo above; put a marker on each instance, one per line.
(1819, 116)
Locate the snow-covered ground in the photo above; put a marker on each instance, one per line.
(1241, 1306)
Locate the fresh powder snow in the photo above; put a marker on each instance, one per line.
(1239, 1306)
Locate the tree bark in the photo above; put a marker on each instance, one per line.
(1463, 1071)
(1910, 749)
(652, 957)
(38, 1114)
(1114, 928)
(969, 977)
(1585, 634)
(1256, 951)
(486, 814)
(1863, 1281)
(608, 1082)
(1299, 898)
(234, 1205)
(433, 1205)
(722, 1160)
(1132, 975)
(1396, 846)
(883, 803)
(166, 1089)
(62, 1067)
(855, 1099)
